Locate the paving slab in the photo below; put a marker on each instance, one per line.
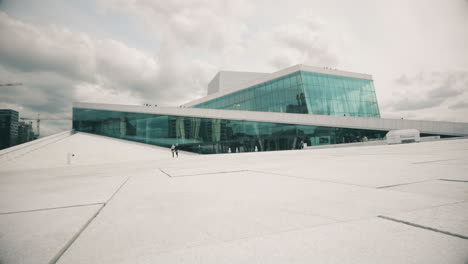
(377, 166)
(365, 241)
(268, 207)
(451, 218)
(88, 149)
(55, 189)
(37, 237)
(153, 214)
(192, 168)
(453, 189)
(171, 213)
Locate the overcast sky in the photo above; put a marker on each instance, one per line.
(165, 52)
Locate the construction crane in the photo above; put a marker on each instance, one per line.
(38, 121)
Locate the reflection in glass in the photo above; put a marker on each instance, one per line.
(208, 135)
(305, 93)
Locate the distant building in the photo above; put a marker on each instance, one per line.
(25, 132)
(13, 131)
(8, 128)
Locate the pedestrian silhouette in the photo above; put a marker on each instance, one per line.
(173, 149)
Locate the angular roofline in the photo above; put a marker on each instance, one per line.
(278, 74)
(214, 77)
(241, 71)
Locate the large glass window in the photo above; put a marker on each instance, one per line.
(306, 93)
(208, 135)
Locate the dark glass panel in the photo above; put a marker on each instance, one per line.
(212, 135)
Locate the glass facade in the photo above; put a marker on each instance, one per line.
(306, 93)
(208, 135)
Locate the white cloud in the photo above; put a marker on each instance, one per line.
(212, 25)
(459, 104)
(196, 38)
(430, 96)
(299, 42)
(58, 66)
(190, 33)
(30, 48)
(93, 93)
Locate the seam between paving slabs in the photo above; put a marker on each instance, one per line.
(73, 239)
(208, 173)
(291, 230)
(402, 184)
(452, 180)
(431, 161)
(312, 179)
(168, 175)
(272, 173)
(434, 206)
(50, 208)
(200, 174)
(64, 249)
(423, 227)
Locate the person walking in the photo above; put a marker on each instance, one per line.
(173, 149)
(176, 150)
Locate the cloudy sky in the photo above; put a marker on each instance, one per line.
(166, 51)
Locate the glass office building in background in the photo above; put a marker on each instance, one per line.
(246, 112)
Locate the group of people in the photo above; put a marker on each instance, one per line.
(175, 149)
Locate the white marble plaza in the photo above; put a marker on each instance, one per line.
(125, 202)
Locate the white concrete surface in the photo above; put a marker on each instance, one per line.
(36, 237)
(439, 188)
(447, 218)
(21, 149)
(324, 206)
(88, 149)
(367, 241)
(30, 190)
